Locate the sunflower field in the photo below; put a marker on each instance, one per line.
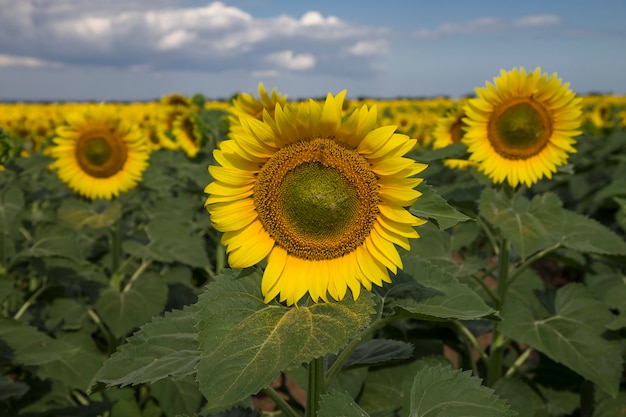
(263, 256)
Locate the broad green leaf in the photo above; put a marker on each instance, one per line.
(165, 347)
(572, 336)
(620, 216)
(79, 362)
(177, 395)
(77, 213)
(432, 206)
(338, 404)
(520, 396)
(11, 203)
(126, 408)
(440, 391)
(53, 240)
(543, 222)
(124, 310)
(529, 225)
(587, 235)
(245, 343)
(376, 351)
(385, 389)
(428, 292)
(25, 345)
(435, 246)
(173, 238)
(611, 407)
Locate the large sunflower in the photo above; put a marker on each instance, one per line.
(522, 127)
(98, 155)
(321, 196)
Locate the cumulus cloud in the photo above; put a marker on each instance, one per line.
(486, 24)
(157, 35)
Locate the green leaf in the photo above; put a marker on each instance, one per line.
(177, 395)
(425, 291)
(433, 207)
(124, 310)
(53, 240)
(79, 362)
(337, 404)
(376, 351)
(245, 343)
(444, 391)
(520, 396)
(165, 347)
(173, 238)
(25, 345)
(529, 225)
(542, 223)
(572, 336)
(611, 407)
(385, 389)
(77, 213)
(11, 203)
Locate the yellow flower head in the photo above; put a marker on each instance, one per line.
(522, 127)
(320, 196)
(97, 154)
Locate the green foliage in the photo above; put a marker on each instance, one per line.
(444, 391)
(573, 335)
(245, 343)
(511, 302)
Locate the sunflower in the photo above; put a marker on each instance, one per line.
(448, 131)
(246, 105)
(522, 127)
(188, 133)
(320, 196)
(98, 155)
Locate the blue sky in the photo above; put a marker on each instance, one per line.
(144, 49)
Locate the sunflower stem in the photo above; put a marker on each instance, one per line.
(499, 343)
(315, 373)
(116, 245)
(350, 347)
(280, 402)
(220, 258)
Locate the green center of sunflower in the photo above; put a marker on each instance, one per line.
(317, 199)
(97, 151)
(520, 129)
(101, 154)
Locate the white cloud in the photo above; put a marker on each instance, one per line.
(369, 48)
(159, 36)
(486, 24)
(288, 60)
(25, 61)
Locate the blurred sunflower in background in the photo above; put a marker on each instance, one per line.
(98, 154)
(321, 196)
(449, 130)
(246, 105)
(522, 127)
(188, 133)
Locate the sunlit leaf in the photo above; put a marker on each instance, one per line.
(245, 343)
(572, 336)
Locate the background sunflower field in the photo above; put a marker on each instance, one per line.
(113, 307)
